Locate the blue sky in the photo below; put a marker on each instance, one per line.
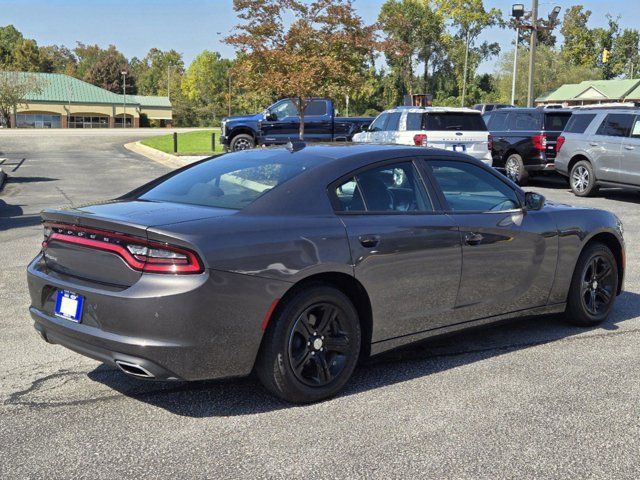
(190, 26)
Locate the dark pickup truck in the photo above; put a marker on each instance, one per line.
(280, 123)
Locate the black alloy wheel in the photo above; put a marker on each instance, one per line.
(311, 346)
(319, 345)
(594, 286)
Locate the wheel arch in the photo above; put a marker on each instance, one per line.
(575, 159)
(348, 285)
(611, 241)
(240, 130)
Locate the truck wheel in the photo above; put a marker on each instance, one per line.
(242, 141)
(514, 169)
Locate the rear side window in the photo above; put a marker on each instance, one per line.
(455, 121)
(578, 123)
(616, 125)
(394, 121)
(226, 182)
(389, 188)
(555, 122)
(526, 121)
(414, 121)
(498, 121)
(316, 108)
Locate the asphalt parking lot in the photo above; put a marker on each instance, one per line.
(527, 399)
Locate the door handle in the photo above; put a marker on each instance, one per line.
(369, 241)
(593, 144)
(629, 147)
(473, 238)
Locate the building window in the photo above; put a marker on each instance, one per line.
(86, 121)
(37, 120)
(118, 122)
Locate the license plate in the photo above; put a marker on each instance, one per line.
(69, 305)
(459, 148)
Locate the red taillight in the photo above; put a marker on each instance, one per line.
(420, 139)
(559, 143)
(490, 142)
(539, 142)
(140, 254)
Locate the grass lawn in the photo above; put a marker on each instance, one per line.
(189, 143)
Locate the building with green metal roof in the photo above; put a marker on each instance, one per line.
(62, 101)
(591, 92)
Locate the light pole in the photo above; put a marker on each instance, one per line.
(464, 75)
(517, 12)
(124, 99)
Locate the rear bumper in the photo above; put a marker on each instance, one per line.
(187, 327)
(544, 167)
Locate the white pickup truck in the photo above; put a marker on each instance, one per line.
(457, 129)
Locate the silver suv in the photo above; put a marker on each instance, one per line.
(600, 147)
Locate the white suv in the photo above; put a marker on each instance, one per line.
(457, 129)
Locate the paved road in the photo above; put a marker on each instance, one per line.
(528, 399)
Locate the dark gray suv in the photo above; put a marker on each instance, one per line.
(600, 147)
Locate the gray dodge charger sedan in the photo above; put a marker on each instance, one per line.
(299, 261)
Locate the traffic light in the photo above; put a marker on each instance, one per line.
(605, 55)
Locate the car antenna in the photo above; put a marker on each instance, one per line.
(295, 145)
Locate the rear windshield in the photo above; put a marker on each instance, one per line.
(232, 181)
(556, 122)
(454, 121)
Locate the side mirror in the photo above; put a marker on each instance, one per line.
(271, 117)
(533, 201)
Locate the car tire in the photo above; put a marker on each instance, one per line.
(311, 346)
(582, 179)
(242, 141)
(514, 169)
(594, 286)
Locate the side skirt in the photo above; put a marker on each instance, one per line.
(385, 345)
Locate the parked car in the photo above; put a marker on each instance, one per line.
(489, 107)
(524, 140)
(455, 129)
(600, 147)
(298, 262)
(280, 123)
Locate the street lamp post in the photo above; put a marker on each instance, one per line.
(517, 12)
(124, 99)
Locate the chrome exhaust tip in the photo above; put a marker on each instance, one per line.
(133, 369)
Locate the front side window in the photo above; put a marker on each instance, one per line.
(616, 125)
(232, 181)
(393, 122)
(379, 123)
(284, 109)
(388, 188)
(469, 188)
(578, 123)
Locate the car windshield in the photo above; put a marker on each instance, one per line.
(455, 121)
(232, 181)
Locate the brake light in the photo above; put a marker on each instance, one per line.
(140, 254)
(539, 142)
(490, 142)
(420, 139)
(559, 143)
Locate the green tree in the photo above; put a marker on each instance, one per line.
(156, 69)
(10, 37)
(58, 59)
(323, 49)
(625, 54)
(579, 47)
(106, 72)
(205, 85)
(14, 87)
(468, 19)
(26, 56)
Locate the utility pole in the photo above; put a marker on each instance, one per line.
(464, 75)
(532, 50)
(515, 68)
(169, 82)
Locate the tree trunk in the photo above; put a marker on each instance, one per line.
(426, 74)
(302, 106)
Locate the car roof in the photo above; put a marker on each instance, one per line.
(534, 109)
(412, 109)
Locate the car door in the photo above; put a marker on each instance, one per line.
(498, 127)
(281, 122)
(605, 146)
(318, 125)
(375, 132)
(405, 251)
(508, 254)
(630, 155)
(391, 131)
